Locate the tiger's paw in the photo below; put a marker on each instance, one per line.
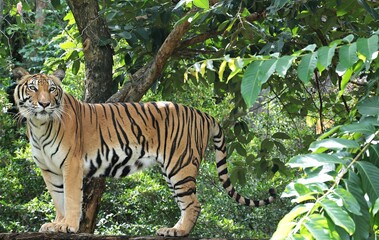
(58, 227)
(172, 232)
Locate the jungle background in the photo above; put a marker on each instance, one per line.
(293, 83)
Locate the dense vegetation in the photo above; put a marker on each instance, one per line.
(283, 77)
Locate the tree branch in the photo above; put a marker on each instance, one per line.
(136, 87)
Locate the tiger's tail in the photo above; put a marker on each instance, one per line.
(220, 147)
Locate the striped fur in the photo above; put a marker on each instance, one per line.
(71, 140)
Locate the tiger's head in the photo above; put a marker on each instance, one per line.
(39, 96)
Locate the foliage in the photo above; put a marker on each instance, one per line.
(337, 176)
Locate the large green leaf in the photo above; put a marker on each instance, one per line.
(332, 143)
(362, 222)
(313, 160)
(368, 47)
(345, 80)
(370, 179)
(283, 64)
(324, 57)
(369, 107)
(349, 201)
(251, 84)
(373, 155)
(267, 69)
(255, 75)
(338, 215)
(318, 226)
(364, 128)
(307, 66)
(347, 56)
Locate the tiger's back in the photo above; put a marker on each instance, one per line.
(71, 140)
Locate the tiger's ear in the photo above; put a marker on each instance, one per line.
(18, 73)
(60, 74)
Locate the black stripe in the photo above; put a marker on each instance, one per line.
(221, 162)
(227, 183)
(64, 159)
(223, 172)
(190, 191)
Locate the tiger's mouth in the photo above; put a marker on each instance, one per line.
(44, 114)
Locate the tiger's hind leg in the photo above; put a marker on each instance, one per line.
(185, 196)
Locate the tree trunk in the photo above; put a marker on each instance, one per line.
(40, 17)
(99, 87)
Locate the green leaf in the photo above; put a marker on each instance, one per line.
(238, 174)
(338, 215)
(345, 7)
(375, 208)
(301, 189)
(373, 154)
(283, 64)
(369, 107)
(307, 66)
(251, 83)
(310, 47)
(316, 178)
(67, 45)
(281, 135)
(333, 143)
(204, 4)
(348, 55)
(349, 201)
(362, 222)
(281, 147)
(267, 69)
(267, 144)
(349, 38)
(317, 225)
(241, 150)
(330, 132)
(368, 47)
(125, 34)
(313, 160)
(345, 79)
(286, 225)
(370, 179)
(324, 56)
(364, 128)
(76, 67)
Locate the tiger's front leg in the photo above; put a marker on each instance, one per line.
(54, 183)
(68, 222)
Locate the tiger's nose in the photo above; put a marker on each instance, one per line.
(44, 104)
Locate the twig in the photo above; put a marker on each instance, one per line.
(320, 100)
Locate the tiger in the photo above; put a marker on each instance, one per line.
(72, 140)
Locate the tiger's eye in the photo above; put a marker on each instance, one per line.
(32, 88)
(52, 88)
